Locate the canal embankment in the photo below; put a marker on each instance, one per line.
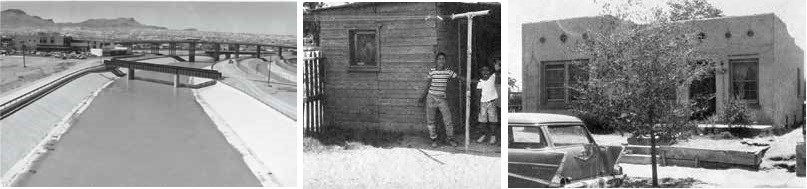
(265, 135)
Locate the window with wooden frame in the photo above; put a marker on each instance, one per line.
(745, 78)
(364, 50)
(560, 76)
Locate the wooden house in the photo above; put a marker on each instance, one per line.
(377, 58)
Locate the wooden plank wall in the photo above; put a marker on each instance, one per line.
(388, 99)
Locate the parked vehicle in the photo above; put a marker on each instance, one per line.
(551, 150)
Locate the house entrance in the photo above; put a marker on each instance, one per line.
(702, 92)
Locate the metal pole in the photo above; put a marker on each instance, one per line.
(23, 57)
(469, 53)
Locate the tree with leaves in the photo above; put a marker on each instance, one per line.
(635, 68)
(310, 24)
(691, 10)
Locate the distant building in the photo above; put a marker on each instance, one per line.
(760, 64)
(53, 41)
(6, 42)
(85, 45)
(42, 41)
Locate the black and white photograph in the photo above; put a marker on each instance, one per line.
(149, 93)
(641, 93)
(401, 95)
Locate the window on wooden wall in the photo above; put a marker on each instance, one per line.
(363, 49)
(745, 78)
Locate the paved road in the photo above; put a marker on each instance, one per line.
(138, 133)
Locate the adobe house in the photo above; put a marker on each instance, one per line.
(378, 56)
(760, 64)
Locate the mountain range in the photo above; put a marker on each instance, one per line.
(12, 19)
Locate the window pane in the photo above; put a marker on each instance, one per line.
(554, 78)
(363, 47)
(744, 78)
(555, 93)
(568, 135)
(526, 137)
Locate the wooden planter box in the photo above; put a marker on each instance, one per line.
(695, 157)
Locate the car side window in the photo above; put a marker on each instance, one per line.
(568, 135)
(526, 137)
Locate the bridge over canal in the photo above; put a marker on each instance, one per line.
(212, 48)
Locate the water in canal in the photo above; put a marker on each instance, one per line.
(139, 133)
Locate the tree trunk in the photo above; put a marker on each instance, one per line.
(653, 156)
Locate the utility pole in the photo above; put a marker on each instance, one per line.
(469, 53)
(23, 56)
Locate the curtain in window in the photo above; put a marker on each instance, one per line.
(744, 78)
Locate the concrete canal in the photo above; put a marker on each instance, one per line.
(141, 133)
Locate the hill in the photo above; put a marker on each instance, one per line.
(15, 19)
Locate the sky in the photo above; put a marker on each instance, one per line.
(792, 13)
(238, 17)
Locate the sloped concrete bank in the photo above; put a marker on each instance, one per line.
(264, 136)
(25, 135)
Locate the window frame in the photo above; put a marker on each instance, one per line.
(543, 140)
(567, 79)
(732, 78)
(352, 48)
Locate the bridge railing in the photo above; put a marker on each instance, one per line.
(314, 98)
(194, 72)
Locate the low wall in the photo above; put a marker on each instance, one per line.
(695, 157)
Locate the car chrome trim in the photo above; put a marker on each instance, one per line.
(538, 180)
(538, 164)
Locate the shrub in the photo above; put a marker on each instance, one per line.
(596, 124)
(736, 113)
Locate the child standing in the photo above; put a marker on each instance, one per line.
(488, 113)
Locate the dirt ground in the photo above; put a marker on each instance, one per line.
(13, 75)
(395, 161)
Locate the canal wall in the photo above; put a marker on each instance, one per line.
(25, 135)
(264, 136)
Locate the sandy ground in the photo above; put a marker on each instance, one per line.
(13, 75)
(265, 132)
(730, 178)
(409, 164)
(140, 133)
(40, 70)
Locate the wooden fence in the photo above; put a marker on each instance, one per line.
(313, 81)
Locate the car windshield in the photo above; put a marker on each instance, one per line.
(569, 135)
(526, 137)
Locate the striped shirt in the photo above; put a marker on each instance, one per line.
(439, 81)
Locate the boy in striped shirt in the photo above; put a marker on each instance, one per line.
(435, 98)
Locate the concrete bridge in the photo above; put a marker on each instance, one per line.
(162, 68)
(212, 48)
